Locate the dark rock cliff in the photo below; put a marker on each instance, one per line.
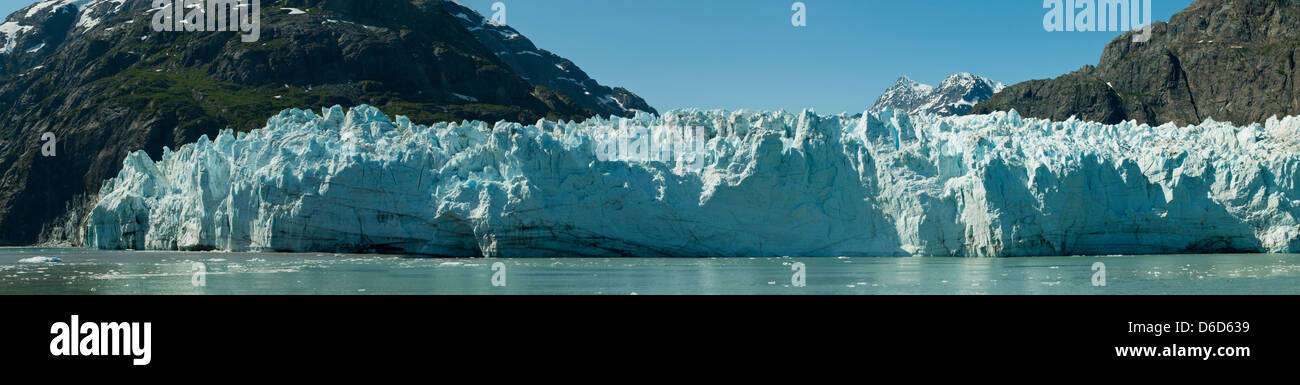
(1230, 60)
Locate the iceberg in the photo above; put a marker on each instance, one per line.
(751, 184)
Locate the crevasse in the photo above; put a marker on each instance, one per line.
(766, 184)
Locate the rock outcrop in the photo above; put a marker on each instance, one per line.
(1230, 60)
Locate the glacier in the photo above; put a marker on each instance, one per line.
(752, 184)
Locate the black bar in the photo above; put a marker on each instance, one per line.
(356, 333)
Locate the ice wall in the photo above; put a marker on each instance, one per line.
(732, 184)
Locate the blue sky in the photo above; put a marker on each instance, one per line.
(746, 54)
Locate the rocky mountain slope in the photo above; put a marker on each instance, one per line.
(546, 69)
(1230, 60)
(94, 73)
(956, 95)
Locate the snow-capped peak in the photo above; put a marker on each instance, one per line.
(906, 83)
(955, 95)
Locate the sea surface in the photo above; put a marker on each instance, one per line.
(82, 271)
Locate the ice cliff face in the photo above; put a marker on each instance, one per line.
(754, 185)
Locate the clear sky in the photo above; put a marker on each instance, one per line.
(746, 54)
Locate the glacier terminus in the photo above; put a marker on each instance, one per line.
(764, 184)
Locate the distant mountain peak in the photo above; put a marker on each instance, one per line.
(955, 95)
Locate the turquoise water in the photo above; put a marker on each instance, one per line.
(120, 272)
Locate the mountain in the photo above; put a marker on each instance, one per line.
(96, 75)
(954, 96)
(546, 69)
(1230, 60)
(767, 184)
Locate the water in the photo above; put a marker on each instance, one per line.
(118, 272)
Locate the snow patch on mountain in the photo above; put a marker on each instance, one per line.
(52, 5)
(770, 184)
(12, 31)
(90, 14)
